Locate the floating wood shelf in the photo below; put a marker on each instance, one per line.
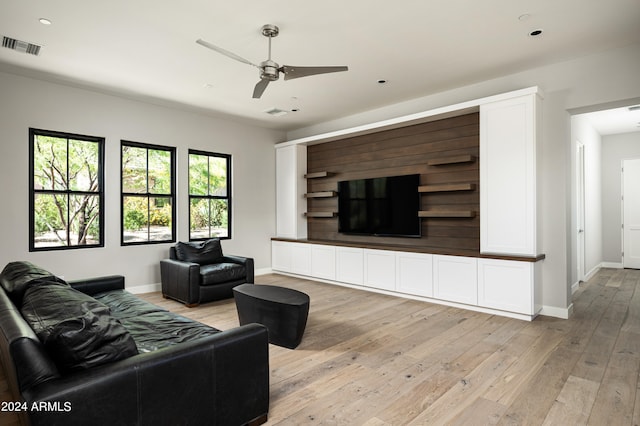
(446, 213)
(451, 160)
(323, 194)
(447, 187)
(321, 214)
(317, 175)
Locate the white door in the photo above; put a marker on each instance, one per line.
(631, 213)
(580, 210)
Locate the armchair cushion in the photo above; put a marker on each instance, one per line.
(218, 273)
(202, 253)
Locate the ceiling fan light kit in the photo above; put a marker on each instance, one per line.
(269, 69)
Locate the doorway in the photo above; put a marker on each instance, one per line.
(631, 213)
(580, 206)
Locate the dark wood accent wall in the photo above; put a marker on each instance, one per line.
(451, 146)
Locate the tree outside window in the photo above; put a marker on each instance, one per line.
(209, 195)
(66, 202)
(148, 196)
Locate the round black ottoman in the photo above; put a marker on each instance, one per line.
(283, 311)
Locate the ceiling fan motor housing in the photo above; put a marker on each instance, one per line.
(269, 70)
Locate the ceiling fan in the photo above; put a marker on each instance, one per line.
(270, 70)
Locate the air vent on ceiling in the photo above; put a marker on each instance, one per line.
(276, 112)
(20, 46)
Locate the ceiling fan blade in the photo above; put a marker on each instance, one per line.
(297, 72)
(259, 89)
(225, 52)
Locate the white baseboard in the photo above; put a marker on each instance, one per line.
(263, 271)
(614, 265)
(140, 289)
(552, 311)
(575, 286)
(592, 272)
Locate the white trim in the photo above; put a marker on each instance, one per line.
(592, 272)
(575, 286)
(614, 265)
(141, 289)
(405, 120)
(263, 271)
(552, 311)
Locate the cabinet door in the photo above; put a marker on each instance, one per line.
(281, 256)
(291, 163)
(323, 262)
(301, 259)
(455, 279)
(414, 272)
(508, 176)
(380, 269)
(349, 265)
(506, 285)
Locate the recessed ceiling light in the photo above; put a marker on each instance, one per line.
(535, 33)
(45, 21)
(295, 109)
(382, 81)
(524, 17)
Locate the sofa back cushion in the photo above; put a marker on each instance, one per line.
(76, 330)
(17, 276)
(200, 252)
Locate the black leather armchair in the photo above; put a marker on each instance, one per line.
(198, 272)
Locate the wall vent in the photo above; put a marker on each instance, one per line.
(20, 46)
(276, 112)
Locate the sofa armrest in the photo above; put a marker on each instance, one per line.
(180, 280)
(220, 379)
(96, 285)
(247, 262)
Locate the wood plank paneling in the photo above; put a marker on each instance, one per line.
(404, 151)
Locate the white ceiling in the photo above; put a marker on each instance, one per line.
(146, 48)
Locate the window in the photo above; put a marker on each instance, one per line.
(148, 193)
(209, 195)
(66, 186)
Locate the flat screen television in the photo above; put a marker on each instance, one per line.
(385, 206)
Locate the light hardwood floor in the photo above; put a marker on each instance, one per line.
(371, 359)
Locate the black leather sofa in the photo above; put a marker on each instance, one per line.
(178, 371)
(198, 272)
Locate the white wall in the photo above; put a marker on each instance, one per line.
(615, 148)
(598, 79)
(28, 103)
(583, 131)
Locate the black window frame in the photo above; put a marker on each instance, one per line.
(149, 195)
(33, 133)
(228, 197)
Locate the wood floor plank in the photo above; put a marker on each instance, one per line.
(573, 404)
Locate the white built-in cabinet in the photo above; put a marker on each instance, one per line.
(509, 285)
(505, 287)
(508, 143)
(350, 265)
(455, 279)
(414, 273)
(323, 262)
(291, 165)
(509, 132)
(380, 269)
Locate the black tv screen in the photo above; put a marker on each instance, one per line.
(385, 206)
